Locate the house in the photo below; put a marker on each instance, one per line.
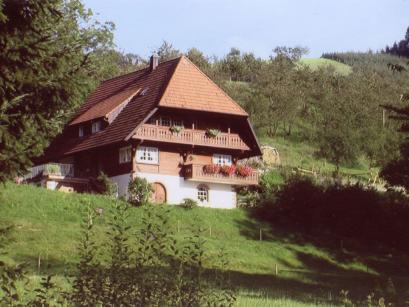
(168, 123)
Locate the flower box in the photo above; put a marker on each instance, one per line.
(228, 170)
(244, 170)
(211, 169)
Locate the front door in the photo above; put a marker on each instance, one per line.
(159, 193)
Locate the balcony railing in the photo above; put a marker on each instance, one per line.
(191, 137)
(195, 172)
(57, 169)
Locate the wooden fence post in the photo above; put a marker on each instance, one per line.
(39, 263)
(261, 235)
(210, 230)
(178, 226)
(276, 269)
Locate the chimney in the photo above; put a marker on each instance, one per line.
(154, 61)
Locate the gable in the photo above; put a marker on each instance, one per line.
(190, 88)
(107, 107)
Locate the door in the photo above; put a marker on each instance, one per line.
(159, 193)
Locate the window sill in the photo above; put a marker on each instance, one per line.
(147, 163)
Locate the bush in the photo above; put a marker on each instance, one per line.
(270, 179)
(189, 203)
(103, 185)
(352, 212)
(140, 191)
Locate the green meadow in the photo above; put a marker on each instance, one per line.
(267, 265)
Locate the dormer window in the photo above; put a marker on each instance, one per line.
(81, 131)
(144, 91)
(96, 126)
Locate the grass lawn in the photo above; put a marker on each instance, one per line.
(283, 269)
(302, 155)
(315, 64)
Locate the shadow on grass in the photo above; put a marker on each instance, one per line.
(340, 264)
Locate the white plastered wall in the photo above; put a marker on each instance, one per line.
(177, 188)
(122, 182)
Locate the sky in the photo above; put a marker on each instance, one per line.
(214, 26)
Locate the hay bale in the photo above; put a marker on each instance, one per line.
(271, 157)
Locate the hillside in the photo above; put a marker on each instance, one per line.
(46, 229)
(315, 64)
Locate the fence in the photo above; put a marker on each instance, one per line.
(60, 169)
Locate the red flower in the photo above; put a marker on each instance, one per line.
(228, 170)
(211, 169)
(244, 170)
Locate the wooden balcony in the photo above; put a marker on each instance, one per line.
(55, 171)
(190, 137)
(194, 172)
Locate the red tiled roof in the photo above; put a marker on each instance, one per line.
(176, 83)
(105, 106)
(128, 119)
(190, 88)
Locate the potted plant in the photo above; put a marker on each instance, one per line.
(53, 169)
(211, 169)
(244, 170)
(228, 170)
(212, 132)
(176, 129)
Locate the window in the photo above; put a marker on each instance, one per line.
(81, 131)
(125, 154)
(165, 121)
(96, 126)
(177, 123)
(220, 159)
(147, 155)
(144, 91)
(203, 193)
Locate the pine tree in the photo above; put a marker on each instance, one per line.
(48, 65)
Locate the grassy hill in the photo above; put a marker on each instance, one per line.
(315, 64)
(283, 269)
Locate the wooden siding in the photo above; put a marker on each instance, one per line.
(106, 159)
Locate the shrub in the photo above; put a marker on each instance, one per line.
(103, 185)
(189, 203)
(248, 198)
(53, 169)
(228, 170)
(140, 191)
(211, 169)
(270, 179)
(351, 212)
(212, 133)
(244, 170)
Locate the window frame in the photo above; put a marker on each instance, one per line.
(123, 152)
(203, 188)
(222, 159)
(147, 149)
(98, 126)
(81, 131)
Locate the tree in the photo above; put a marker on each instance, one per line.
(166, 51)
(49, 63)
(198, 58)
(401, 48)
(396, 172)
